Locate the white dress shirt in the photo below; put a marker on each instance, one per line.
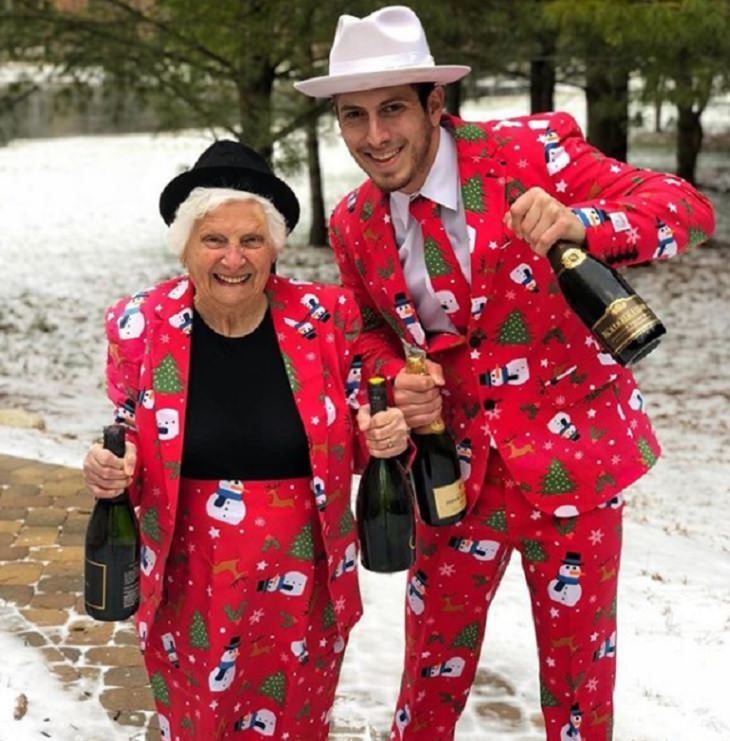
(443, 187)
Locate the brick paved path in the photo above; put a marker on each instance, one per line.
(43, 515)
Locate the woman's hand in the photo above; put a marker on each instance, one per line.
(105, 475)
(386, 433)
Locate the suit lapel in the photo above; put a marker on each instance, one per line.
(169, 351)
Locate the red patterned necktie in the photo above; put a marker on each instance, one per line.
(449, 284)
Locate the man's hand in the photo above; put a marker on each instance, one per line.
(105, 475)
(419, 397)
(542, 220)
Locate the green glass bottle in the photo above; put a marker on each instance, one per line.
(384, 506)
(111, 583)
(617, 317)
(436, 472)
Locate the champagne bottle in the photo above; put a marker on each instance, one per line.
(111, 588)
(618, 318)
(440, 491)
(384, 507)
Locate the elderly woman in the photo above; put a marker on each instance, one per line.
(234, 385)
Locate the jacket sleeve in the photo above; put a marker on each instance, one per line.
(378, 345)
(123, 365)
(631, 215)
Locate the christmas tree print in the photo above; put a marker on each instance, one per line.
(469, 132)
(303, 545)
(556, 480)
(371, 319)
(291, 372)
(435, 263)
(647, 454)
(151, 524)
(533, 551)
(468, 637)
(347, 522)
(497, 521)
(547, 698)
(187, 724)
(198, 632)
(473, 195)
(274, 686)
(328, 616)
(166, 377)
(367, 211)
(697, 236)
(513, 330)
(159, 689)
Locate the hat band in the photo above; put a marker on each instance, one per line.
(380, 64)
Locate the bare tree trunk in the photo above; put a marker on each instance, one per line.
(453, 98)
(542, 78)
(607, 97)
(689, 141)
(318, 229)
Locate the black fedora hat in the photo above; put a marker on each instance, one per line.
(230, 164)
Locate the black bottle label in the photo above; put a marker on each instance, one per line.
(96, 581)
(625, 320)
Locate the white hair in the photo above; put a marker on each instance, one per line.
(203, 200)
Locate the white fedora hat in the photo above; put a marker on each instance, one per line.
(387, 47)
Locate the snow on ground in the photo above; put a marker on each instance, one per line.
(53, 711)
(80, 228)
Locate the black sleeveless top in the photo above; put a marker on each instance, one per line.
(241, 420)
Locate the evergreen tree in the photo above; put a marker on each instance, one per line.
(497, 521)
(303, 545)
(513, 330)
(291, 372)
(435, 263)
(470, 132)
(557, 480)
(468, 637)
(328, 616)
(150, 524)
(274, 686)
(647, 454)
(547, 698)
(166, 376)
(159, 689)
(198, 632)
(473, 194)
(347, 522)
(533, 550)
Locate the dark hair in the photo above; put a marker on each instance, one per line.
(423, 90)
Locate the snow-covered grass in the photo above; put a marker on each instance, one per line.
(80, 228)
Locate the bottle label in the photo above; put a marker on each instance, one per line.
(130, 585)
(624, 320)
(450, 499)
(95, 579)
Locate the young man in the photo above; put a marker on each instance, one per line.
(444, 247)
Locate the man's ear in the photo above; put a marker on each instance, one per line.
(435, 104)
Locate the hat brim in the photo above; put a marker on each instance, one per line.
(329, 85)
(237, 178)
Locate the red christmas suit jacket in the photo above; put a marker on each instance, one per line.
(147, 377)
(569, 423)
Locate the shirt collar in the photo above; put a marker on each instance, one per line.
(442, 181)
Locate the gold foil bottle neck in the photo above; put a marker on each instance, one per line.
(416, 365)
(572, 257)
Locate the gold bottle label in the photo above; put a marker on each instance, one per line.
(450, 499)
(624, 320)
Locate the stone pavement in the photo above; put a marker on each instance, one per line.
(43, 515)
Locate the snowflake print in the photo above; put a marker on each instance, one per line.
(340, 604)
(592, 684)
(256, 616)
(550, 661)
(632, 236)
(522, 164)
(214, 533)
(259, 522)
(447, 569)
(164, 338)
(510, 295)
(596, 537)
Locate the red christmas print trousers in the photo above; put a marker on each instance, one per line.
(245, 644)
(571, 567)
